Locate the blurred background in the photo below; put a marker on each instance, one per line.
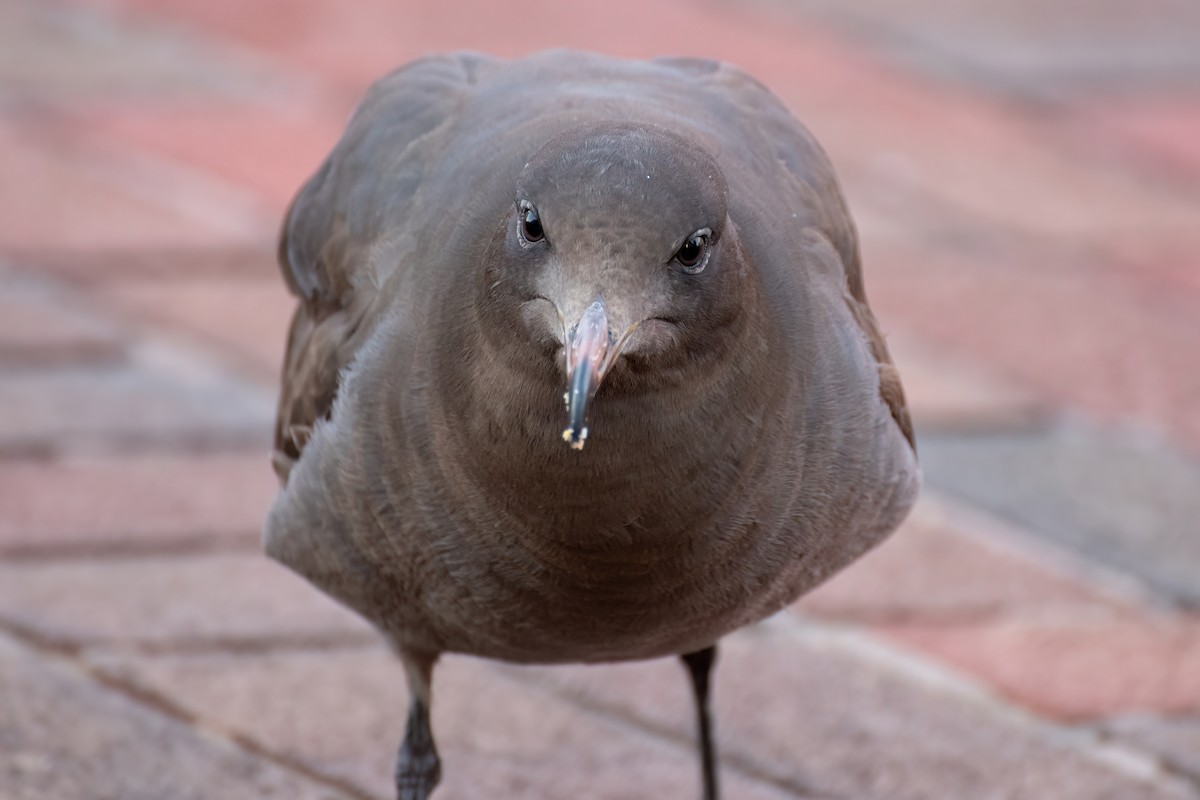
(1026, 180)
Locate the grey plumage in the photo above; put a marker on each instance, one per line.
(749, 435)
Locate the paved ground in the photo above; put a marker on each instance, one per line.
(1026, 176)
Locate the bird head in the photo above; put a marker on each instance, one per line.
(617, 260)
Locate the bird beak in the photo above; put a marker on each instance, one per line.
(588, 346)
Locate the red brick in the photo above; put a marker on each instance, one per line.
(247, 316)
(947, 393)
(59, 197)
(65, 736)
(1171, 267)
(356, 46)
(965, 155)
(165, 396)
(40, 326)
(1075, 666)
(67, 55)
(1163, 126)
(268, 148)
(94, 268)
(934, 569)
(1077, 333)
(198, 600)
(95, 502)
(822, 709)
(342, 714)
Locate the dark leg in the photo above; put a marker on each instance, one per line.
(418, 769)
(700, 664)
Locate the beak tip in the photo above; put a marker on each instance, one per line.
(575, 438)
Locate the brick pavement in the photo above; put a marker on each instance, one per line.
(1030, 214)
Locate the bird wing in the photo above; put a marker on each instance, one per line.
(337, 225)
(798, 151)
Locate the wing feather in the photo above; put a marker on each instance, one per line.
(336, 219)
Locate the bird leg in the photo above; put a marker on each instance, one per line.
(418, 768)
(700, 664)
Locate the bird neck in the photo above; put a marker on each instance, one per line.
(659, 462)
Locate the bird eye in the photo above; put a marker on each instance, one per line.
(531, 224)
(692, 255)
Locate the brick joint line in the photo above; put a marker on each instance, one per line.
(734, 760)
(163, 705)
(118, 546)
